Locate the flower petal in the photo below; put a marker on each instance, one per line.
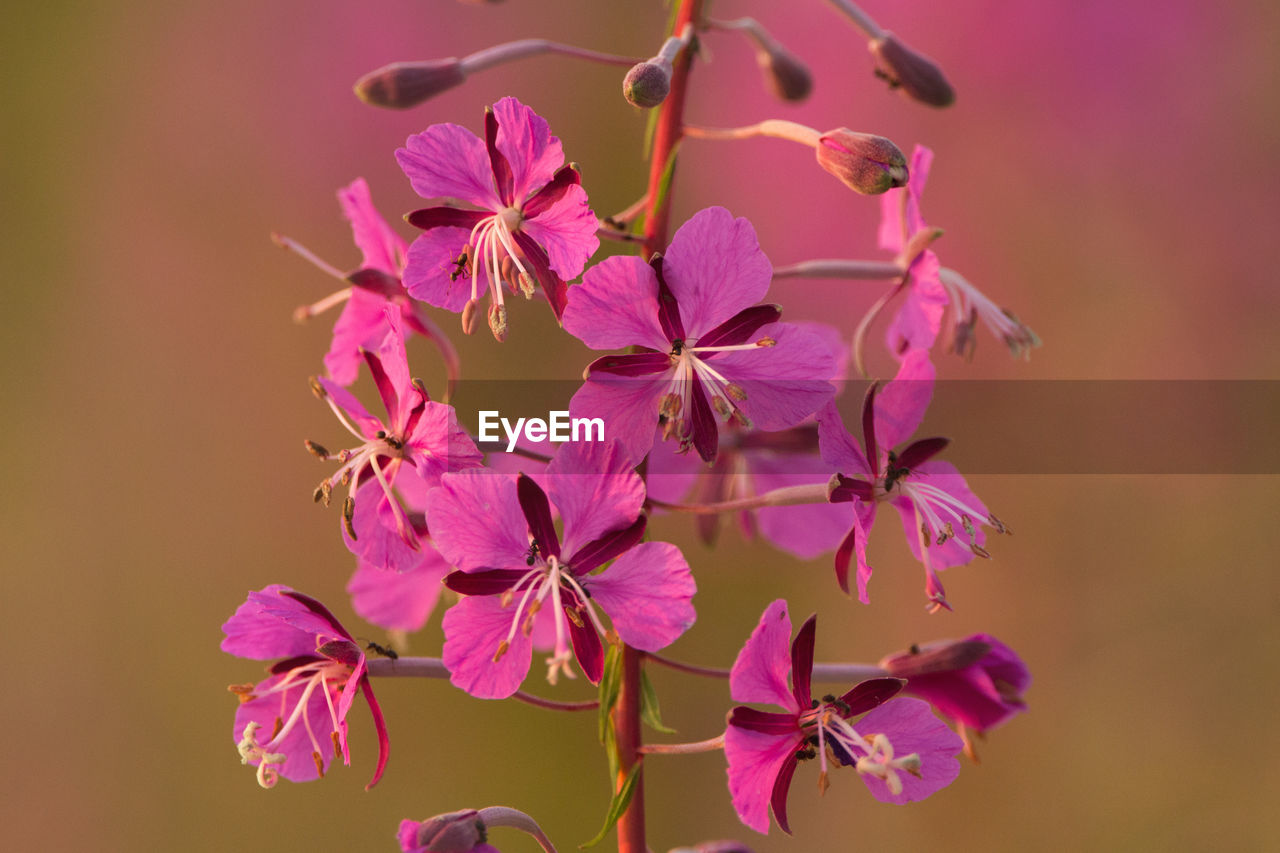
(449, 161)
(756, 762)
(566, 230)
(258, 631)
(525, 139)
(629, 407)
(784, 383)
(382, 248)
(763, 667)
(596, 489)
(715, 268)
(647, 593)
(429, 273)
(616, 306)
(474, 628)
(903, 401)
(398, 601)
(476, 521)
(912, 727)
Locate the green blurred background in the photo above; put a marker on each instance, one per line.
(1109, 171)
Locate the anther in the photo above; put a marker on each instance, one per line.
(244, 692)
(469, 316)
(998, 525)
(317, 388)
(348, 514)
(502, 650)
(766, 341)
(498, 322)
(322, 493)
(315, 756)
(735, 391)
(337, 745)
(525, 283)
(315, 449)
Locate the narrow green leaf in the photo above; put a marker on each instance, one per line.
(649, 711)
(668, 172)
(610, 685)
(650, 130)
(617, 806)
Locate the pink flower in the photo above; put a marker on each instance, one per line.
(977, 681)
(499, 532)
(372, 287)
(295, 722)
(705, 347)
(534, 225)
(899, 749)
(417, 433)
(932, 287)
(399, 600)
(930, 496)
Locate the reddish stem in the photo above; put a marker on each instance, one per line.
(626, 723)
(667, 135)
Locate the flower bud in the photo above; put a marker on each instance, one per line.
(646, 84)
(401, 85)
(455, 832)
(916, 75)
(788, 77)
(866, 163)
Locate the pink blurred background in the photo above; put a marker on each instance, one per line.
(1109, 172)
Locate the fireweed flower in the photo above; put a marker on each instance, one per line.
(705, 347)
(931, 287)
(977, 681)
(534, 226)
(499, 532)
(418, 432)
(930, 496)
(372, 287)
(900, 749)
(295, 722)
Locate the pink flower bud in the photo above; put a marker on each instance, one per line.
(646, 84)
(455, 832)
(401, 85)
(866, 163)
(977, 681)
(916, 75)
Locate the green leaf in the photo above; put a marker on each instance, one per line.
(617, 806)
(610, 685)
(649, 711)
(668, 172)
(650, 130)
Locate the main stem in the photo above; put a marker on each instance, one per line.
(626, 713)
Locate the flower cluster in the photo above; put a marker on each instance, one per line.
(710, 405)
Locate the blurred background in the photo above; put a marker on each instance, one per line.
(1108, 172)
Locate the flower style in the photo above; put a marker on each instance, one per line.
(534, 226)
(417, 431)
(308, 692)
(977, 681)
(900, 750)
(930, 496)
(499, 532)
(931, 286)
(705, 347)
(372, 287)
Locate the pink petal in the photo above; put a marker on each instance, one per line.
(525, 139)
(567, 231)
(377, 541)
(755, 760)
(476, 522)
(806, 530)
(616, 306)
(474, 628)
(761, 672)
(595, 488)
(383, 248)
(715, 268)
(296, 745)
(839, 449)
(900, 215)
(398, 601)
(918, 321)
(361, 325)
(448, 161)
(271, 625)
(785, 383)
(429, 271)
(903, 401)
(911, 727)
(629, 407)
(354, 409)
(439, 444)
(647, 593)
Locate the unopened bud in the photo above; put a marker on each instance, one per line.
(864, 162)
(714, 847)
(914, 74)
(646, 85)
(456, 832)
(406, 84)
(787, 76)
